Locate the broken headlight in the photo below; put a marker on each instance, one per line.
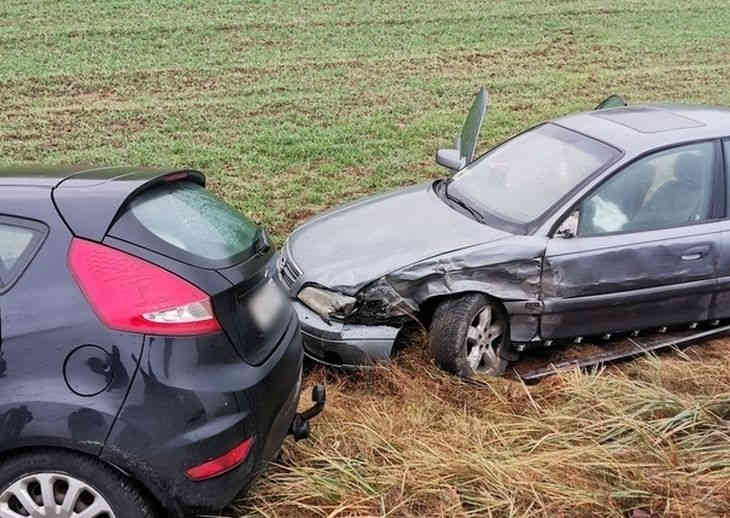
(327, 303)
(381, 302)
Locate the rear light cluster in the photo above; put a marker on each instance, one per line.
(130, 294)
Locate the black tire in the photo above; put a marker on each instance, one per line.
(122, 494)
(450, 327)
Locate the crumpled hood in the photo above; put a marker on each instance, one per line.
(350, 246)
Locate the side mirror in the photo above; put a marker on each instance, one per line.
(451, 159)
(569, 227)
(466, 143)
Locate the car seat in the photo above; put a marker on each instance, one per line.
(635, 187)
(678, 201)
(625, 191)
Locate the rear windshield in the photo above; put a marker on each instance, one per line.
(189, 223)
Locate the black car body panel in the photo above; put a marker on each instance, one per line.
(231, 291)
(551, 287)
(46, 324)
(152, 406)
(195, 399)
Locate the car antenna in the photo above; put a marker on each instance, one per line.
(612, 101)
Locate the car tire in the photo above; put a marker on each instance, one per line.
(458, 326)
(57, 480)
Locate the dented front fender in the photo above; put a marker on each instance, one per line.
(509, 269)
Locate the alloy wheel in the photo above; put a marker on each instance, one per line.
(53, 495)
(482, 341)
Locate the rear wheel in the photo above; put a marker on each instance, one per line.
(467, 335)
(59, 484)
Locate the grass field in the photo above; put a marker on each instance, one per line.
(291, 107)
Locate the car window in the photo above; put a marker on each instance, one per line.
(188, 222)
(521, 179)
(15, 243)
(666, 189)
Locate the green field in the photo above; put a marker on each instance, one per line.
(292, 107)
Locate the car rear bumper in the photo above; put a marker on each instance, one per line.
(344, 345)
(178, 416)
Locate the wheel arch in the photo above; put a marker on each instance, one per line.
(450, 334)
(22, 441)
(429, 305)
(518, 325)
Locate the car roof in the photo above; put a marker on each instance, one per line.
(635, 129)
(89, 199)
(52, 176)
(76, 175)
(39, 176)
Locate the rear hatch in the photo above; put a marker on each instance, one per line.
(182, 221)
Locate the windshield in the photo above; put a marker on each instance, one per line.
(521, 179)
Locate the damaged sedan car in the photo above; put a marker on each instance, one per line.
(609, 221)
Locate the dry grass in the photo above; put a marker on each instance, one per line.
(651, 437)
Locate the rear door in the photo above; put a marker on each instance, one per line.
(643, 248)
(721, 304)
(66, 374)
(18, 241)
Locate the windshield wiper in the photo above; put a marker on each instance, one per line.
(260, 241)
(461, 203)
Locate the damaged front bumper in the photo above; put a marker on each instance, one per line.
(344, 345)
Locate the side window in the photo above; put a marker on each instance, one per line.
(666, 189)
(17, 246)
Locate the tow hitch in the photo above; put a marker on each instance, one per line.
(300, 424)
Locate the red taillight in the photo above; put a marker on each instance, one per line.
(130, 294)
(220, 465)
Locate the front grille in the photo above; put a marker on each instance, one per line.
(288, 271)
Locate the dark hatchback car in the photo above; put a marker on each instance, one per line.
(148, 361)
(609, 221)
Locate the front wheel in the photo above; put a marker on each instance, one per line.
(63, 484)
(467, 335)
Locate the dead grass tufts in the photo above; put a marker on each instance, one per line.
(407, 440)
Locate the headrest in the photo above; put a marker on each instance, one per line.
(689, 168)
(646, 171)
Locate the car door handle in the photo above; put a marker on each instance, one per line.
(695, 253)
(692, 257)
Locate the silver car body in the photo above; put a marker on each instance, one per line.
(402, 250)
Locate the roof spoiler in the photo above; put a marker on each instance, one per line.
(90, 201)
(612, 101)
